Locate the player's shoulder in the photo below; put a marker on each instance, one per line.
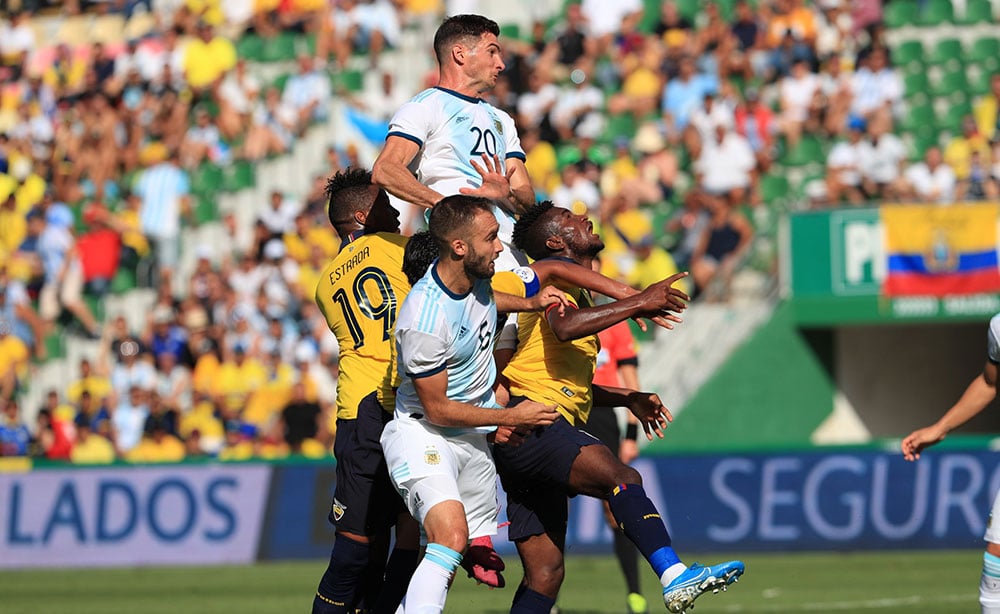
(995, 327)
(389, 240)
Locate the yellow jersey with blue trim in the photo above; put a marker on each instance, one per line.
(548, 370)
(359, 293)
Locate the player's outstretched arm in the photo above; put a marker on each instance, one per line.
(980, 392)
(645, 406)
(442, 411)
(546, 297)
(391, 171)
(649, 303)
(573, 274)
(511, 189)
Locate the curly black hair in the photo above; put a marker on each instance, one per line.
(420, 252)
(347, 192)
(533, 228)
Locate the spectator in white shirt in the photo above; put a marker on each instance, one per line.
(577, 193)
(236, 96)
(604, 19)
(202, 141)
(534, 105)
(577, 105)
(843, 166)
(307, 93)
(876, 86)
(931, 181)
(882, 159)
(726, 165)
(17, 40)
(279, 217)
(800, 98)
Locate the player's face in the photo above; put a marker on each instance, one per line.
(486, 60)
(483, 247)
(578, 233)
(382, 217)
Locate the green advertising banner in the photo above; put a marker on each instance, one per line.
(835, 264)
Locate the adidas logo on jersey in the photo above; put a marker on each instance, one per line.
(463, 331)
(459, 120)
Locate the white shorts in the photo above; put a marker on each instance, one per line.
(427, 467)
(992, 530)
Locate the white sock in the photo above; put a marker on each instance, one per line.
(428, 587)
(989, 585)
(672, 573)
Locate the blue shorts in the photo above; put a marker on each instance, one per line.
(365, 501)
(535, 476)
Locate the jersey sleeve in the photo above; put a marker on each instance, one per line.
(522, 281)
(993, 340)
(421, 354)
(411, 122)
(513, 141)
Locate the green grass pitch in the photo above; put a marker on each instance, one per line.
(882, 583)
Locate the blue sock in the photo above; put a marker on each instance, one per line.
(399, 569)
(527, 601)
(641, 523)
(338, 588)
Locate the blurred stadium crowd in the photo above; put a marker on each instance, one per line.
(685, 128)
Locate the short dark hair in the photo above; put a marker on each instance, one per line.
(420, 252)
(453, 214)
(534, 228)
(347, 193)
(458, 28)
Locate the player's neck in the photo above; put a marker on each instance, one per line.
(460, 85)
(451, 274)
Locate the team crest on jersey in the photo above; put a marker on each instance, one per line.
(499, 126)
(338, 509)
(432, 456)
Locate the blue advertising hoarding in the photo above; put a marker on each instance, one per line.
(213, 514)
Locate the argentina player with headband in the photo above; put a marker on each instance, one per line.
(447, 140)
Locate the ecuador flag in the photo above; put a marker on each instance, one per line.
(939, 251)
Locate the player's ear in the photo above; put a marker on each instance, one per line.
(458, 53)
(555, 243)
(361, 217)
(459, 247)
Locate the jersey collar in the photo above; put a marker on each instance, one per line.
(357, 234)
(458, 95)
(437, 280)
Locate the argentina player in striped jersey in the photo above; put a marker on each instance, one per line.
(447, 140)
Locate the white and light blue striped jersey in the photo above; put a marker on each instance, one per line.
(438, 330)
(451, 129)
(161, 188)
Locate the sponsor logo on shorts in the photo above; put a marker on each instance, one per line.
(338, 509)
(432, 456)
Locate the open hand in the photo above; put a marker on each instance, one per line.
(496, 183)
(652, 415)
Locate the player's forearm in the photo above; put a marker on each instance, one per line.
(400, 182)
(448, 413)
(610, 396)
(572, 274)
(975, 399)
(510, 303)
(577, 323)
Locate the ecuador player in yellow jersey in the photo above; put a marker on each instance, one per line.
(554, 363)
(359, 293)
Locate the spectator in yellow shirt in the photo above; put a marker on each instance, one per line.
(958, 153)
(157, 444)
(987, 110)
(89, 447)
(207, 58)
(97, 385)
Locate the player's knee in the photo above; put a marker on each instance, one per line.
(545, 576)
(627, 475)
